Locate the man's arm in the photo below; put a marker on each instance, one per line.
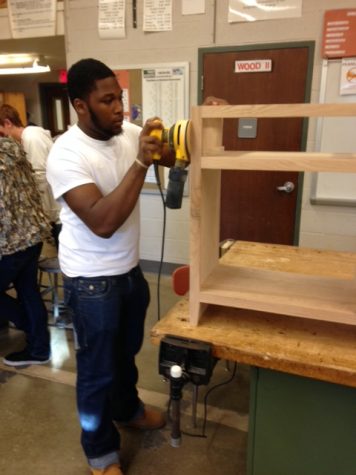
(105, 214)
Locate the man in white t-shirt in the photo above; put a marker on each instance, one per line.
(37, 143)
(96, 170)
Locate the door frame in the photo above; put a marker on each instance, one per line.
(49, 91)
(310, 45)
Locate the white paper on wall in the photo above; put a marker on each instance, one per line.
(193, 7)
(164, 95)
(111, 20)
(348, 76)
(34, 18)
(163, 92)
(253, 10)
(157, 15)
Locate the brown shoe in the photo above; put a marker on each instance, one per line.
(150, 420)
(113, 469)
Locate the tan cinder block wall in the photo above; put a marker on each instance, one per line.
(320, 226)
(181, 44)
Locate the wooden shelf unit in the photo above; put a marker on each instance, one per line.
(276, 290)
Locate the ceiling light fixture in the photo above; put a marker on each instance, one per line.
(15, 60)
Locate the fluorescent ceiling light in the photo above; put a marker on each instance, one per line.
(16, 59)
(35, 68)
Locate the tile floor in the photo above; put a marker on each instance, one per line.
(39, 431)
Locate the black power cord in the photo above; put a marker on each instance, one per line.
(158, 181)
(223, 383)
(202, 435)
(213, 389)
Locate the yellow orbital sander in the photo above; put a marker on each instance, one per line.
(177, 140)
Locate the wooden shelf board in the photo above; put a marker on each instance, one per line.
(278, 110)
(280, 161)
(292, 259)
(284, 293)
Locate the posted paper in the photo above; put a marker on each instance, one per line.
(157, 15)
(348, 76)
(111, 22)
(34, 18)
(193, 7)
(253, 10)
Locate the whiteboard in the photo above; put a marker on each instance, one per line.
(334, 134)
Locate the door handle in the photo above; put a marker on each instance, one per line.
(288, 187)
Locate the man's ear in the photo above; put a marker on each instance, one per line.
(7, 128)
(80, 106)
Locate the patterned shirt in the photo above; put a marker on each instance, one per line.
(23, 222)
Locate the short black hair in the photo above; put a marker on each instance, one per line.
(82, 76)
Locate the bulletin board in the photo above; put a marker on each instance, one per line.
(155, 90)
(334, 134)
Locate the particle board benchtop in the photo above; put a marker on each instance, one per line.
(307, 347)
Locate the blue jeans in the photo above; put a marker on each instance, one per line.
(27, 311)
(108, 317)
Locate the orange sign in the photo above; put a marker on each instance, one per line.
(339, 36)
(123, 78)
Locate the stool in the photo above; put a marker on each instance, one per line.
(50, 265)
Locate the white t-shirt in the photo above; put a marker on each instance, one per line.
(77, 159)
(37, 143)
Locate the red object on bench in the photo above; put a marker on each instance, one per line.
(180, 280)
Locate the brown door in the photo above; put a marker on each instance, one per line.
(55, 107)
(253, 205)
(17, 100)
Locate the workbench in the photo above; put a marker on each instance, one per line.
(303, 371)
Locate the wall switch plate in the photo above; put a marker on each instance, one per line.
(247, 128)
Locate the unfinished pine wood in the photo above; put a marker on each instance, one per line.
(279, 110)
(196, 307)
(281, 161)
(319, 296)
(292, 259)
(205, 211)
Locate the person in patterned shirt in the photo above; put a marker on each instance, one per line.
(23, 228)
(37, 143)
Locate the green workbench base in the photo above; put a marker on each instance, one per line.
(300, 426)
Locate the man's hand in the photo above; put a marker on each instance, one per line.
(214, 101)
(149, 144)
